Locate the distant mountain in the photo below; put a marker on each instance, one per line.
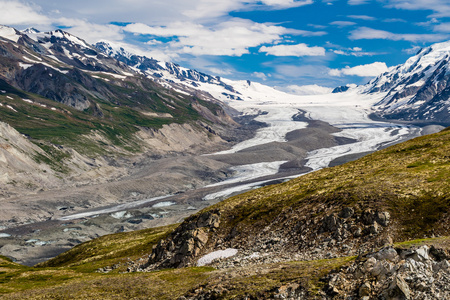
(418, 90)
(170, 73)
(71, 99)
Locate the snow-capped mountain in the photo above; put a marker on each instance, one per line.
(418, 90)
(172, 74)
(64, 68)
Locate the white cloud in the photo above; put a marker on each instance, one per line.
(312, 89)
(342, 23)
(293, 50)
(260, 75)
(317, 26)
(219, 71)
(210, 9)
(371, 34)
(362, 17)
(412, 50)
(369, 70)
(233, 37)
(394, 20)
(440, 7)
(308, 71)
(90, 32)
(443, 27)
(358, 2)
(286, 3)
(17, 13)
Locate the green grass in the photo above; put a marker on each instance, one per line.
(110, 249)
(418, 198)
(70, 283)
(122, 115)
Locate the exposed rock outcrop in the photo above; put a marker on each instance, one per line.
(185, 243)
(417, 273)
(344, 233)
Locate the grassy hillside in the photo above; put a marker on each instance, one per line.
(410, 180)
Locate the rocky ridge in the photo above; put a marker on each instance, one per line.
(394, 273)
(418, 90)
(86, 115)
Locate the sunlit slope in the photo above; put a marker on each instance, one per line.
(411, 180)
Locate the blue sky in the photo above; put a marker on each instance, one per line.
(283, 43)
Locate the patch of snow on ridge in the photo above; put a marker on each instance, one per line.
(9, 33)
(209, 258)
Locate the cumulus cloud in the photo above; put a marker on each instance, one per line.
(293, 50)
(233, 37)
(369, 70)
(371, 34)
(16, 13)
(90, 32)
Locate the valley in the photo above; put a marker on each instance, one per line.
(299, 135)
(115, 166)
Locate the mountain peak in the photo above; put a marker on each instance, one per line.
(418, 89)
(9, 33)
(30, 30)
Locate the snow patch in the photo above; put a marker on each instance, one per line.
(113, 209)
(9, 33)
(25, 66)
(11, 108)
(209, 258)
(4, 235)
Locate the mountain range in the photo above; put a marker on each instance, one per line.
(418, 90)
(70, 106)
(75, 115)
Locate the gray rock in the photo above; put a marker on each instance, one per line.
(399, 289)
(388, 253)
(365, 289)
(383, 218)
(346, 212)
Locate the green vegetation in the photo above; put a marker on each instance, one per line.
(110, 249)
(18, 282)
(116, 116)
(418, 197)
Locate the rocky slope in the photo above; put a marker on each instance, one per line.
(418, 90)
(338, 233)
(85, 115)
(395, 194)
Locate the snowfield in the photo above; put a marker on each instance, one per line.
(347, 111)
